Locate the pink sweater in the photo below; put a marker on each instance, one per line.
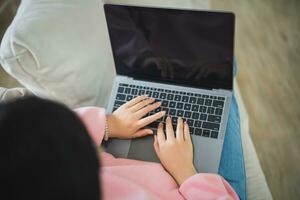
(133, 179)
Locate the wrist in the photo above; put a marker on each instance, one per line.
(183, 175)
(111, 126)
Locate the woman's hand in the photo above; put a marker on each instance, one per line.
(175, 153)
(128, 122)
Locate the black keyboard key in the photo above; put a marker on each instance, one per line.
(179, 113)
(214, 118)
(218, 104)
(172, 112)
(154, 124)
(127, 91)
(134, 91)
(192, 130)
(205, 96)
(115, 108)
(179, 105)
(164, 103)
(174, 120)
(158, 109)
(205, 133)
(120, 90)
(149, 93)
(198, 124)
(167, 111)
(187, 106)
(221, 98)
(155, 95)
(195, 108)
(211, 110)
(195, 115)
(214, 134)
(198, 131)
(119, 103)
(170, 96)
(203, 109)
(203, 117)
(129, 97)
(190, 122)
(187, 114)
(123, 84)
(212, 126)
(120, 97)
(185, 99)
(141, 92)
(208, 102)
(172, 104)
(200, 101)
(218, 111)
(162, 95)
(192, 100)
(177, 98)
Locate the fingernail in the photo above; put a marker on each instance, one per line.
(163, 112)
(150, 132)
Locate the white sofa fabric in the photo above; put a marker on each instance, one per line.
(60, 50)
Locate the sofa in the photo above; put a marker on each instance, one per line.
(60, 50)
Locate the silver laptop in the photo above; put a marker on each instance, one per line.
(183, 58)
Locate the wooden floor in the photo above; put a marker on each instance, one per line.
(268, 55)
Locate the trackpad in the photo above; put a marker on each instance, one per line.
(142, 149)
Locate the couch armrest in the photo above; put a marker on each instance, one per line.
(257, 187)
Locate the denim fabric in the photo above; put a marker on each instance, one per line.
(232, 166)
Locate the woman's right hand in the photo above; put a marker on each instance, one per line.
(175, 153)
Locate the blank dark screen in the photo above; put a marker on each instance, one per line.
(193, 48)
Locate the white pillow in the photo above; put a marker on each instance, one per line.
(60, 49)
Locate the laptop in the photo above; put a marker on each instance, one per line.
(183, 58)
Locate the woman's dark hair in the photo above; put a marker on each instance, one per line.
(46, 152)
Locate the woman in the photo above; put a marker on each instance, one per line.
(47, 154)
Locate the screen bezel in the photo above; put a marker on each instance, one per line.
(181, 82)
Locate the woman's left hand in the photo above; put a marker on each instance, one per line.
(128, 122)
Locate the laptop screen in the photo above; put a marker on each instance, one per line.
(182, 47)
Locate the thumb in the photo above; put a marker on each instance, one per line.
(142, 132)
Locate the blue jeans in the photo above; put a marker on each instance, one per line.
(232, 166)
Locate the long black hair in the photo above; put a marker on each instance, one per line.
(46, 152)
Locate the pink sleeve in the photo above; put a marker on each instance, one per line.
(94, 119)
(207, 186)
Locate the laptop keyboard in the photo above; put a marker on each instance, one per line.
(202, 112)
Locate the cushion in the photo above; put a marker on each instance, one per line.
(60, 49)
